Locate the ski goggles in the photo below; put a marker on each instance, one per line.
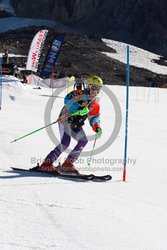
(94, 88)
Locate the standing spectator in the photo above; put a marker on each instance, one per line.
(5, 57)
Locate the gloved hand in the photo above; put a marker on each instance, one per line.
(81, 112)
(99, 132)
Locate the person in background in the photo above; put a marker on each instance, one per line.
(24, 78)
(5, 58)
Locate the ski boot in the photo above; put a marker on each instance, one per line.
(46, 166)
(67, 167)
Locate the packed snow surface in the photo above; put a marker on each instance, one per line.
(39, 212)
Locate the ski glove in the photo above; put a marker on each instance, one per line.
(81, 112)
(99, 132)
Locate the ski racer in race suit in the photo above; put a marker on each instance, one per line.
(79, 105)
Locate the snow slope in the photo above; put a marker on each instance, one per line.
(138, 57)
(45, 213)
(12, 23)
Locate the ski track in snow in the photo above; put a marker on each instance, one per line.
(49, 213)
(39, 212)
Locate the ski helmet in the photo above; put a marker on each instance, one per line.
(94, 80)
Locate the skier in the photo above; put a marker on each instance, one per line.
(79, 84)
(80, 104)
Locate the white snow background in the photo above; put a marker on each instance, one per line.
(39, 212)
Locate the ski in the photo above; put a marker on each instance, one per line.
(86, 177)
(54, 174)
(102, 177)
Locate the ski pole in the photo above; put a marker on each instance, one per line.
(38, 129)
(33, 132)
(90, 159)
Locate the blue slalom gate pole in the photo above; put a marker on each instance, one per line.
(0, 82)
(127, 110)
